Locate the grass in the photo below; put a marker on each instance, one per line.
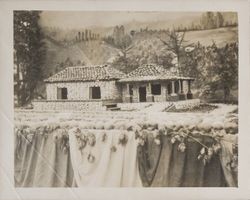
(202, 108)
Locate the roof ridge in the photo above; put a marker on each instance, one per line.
(87, 66)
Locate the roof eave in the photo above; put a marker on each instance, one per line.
(66, 81)
(156, 79)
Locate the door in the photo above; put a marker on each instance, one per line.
(142, 94)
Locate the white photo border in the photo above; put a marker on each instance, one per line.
(7, 189)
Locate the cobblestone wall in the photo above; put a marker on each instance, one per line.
(81, 90)
(144, 105)
(69, 105)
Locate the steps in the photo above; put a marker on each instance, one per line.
(112, 107)
(169, 108)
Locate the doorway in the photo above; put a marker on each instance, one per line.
(142, 94)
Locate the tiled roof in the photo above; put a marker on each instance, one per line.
(86, 73)
(152, 72)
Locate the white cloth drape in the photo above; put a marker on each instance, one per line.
(117, 168)
(225, 157)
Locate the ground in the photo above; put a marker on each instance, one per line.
(203, 108)
(223, 116)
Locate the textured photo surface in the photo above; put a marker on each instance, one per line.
(125, 99)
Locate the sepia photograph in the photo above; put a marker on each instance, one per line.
(125, 98)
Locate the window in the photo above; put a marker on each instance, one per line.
(131, 90)
(62, 93)
(156, 89)
(95, 93)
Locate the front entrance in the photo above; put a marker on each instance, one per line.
(142, 94)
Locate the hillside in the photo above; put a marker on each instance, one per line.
(145, 47)
(220, 36)
(89, 53)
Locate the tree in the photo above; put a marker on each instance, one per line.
(86, 35)
(192, 61)
(29, 54)
(219, 20)
(175, 45)
(226, 68)
(79, 36)
(132, 33)
(207, 20)
(214, 68)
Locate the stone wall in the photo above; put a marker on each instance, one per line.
(145, 105)
(134, 106)
(65, 105)
(97, 105)
(81, 90)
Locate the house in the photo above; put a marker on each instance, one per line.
(93, 87)
(85, 83)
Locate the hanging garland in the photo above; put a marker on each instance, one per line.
(176, 134)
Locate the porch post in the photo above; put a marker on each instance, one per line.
(182, 96)
(173, 96)
(127, 85)
(149, 88)
(173, 89)
(150, 97)
(189, 94)
(128, 98)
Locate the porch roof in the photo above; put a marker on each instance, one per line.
(152, 72)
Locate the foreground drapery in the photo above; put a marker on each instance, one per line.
(42, 163)
(112, 164)
(55, 160)
(164, 166)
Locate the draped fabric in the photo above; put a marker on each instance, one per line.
(165, 166)
(227, 144)
(115, 167)
(44, 162)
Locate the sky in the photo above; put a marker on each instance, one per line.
(83, 19)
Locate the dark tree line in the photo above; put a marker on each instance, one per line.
(86, 36)
(29, 55)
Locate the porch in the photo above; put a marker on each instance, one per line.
(157, 91)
